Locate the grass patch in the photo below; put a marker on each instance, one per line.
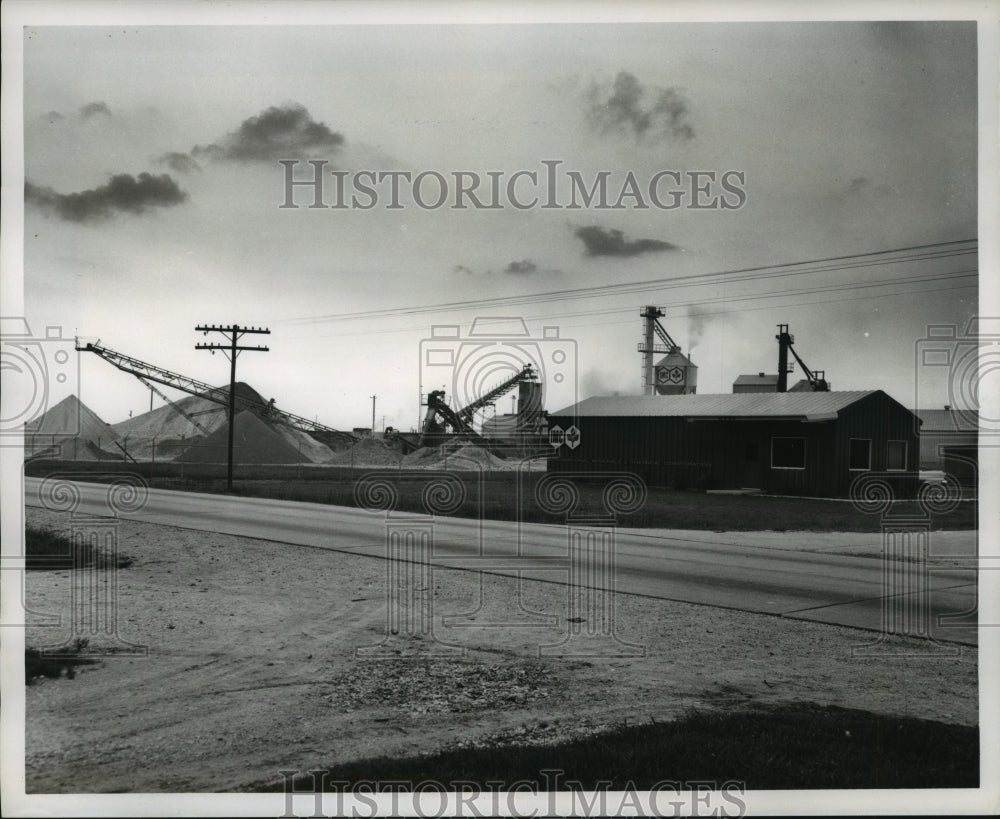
(496, 498)
(49, 550)
(38, 663)
(797, 746)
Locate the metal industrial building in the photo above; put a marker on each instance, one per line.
(949, 440)
(808, 443)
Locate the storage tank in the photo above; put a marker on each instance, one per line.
(675, 374)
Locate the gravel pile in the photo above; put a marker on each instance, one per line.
(367, 452)
(470, 456)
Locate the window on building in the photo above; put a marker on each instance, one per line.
(788, 453)
(861, 454)
(896, 455)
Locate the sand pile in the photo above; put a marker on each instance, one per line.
(171, 429)
(312, 451)
(466, 456)
(422, 457)
(206, 416)
(71, 430)
(254, 442)
(168, 422)
(367, 452)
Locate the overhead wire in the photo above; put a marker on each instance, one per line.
(929, 252)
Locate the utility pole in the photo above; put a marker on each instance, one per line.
(373, 415)
(230, 350)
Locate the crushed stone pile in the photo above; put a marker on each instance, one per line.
(311, 450)
(470, 456)
(254, 442)
(204, 416)
(72, 431)
(423, 456)
(169, 422)
(367, 452)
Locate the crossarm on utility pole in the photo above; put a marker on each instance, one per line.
(232, 351)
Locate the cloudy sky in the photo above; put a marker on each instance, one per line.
(154, 192)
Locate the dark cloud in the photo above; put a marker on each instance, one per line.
(123, 192)
(461, 268)
(601, 242)
(863, 186)
(288, 132)
(176, 161)
(92, 109)
(524, 268)
(53, 116)
(630, 107)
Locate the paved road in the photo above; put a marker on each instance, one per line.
(724, 569)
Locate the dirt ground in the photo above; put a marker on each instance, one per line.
(251, 667)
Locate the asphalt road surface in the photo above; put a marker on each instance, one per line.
(781, 576)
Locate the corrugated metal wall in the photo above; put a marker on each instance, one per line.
(734, 453)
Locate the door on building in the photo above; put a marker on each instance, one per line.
(749, 464)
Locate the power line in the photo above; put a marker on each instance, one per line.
(775, 294)
(727, 276)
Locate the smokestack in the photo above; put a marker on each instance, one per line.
(784, 341)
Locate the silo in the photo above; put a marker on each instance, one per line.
(675, 374)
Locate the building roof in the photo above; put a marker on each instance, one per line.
(947, 420)
(756, 379)
(814, 406)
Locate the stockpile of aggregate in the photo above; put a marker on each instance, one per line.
(70, 430)
(465, 456)
(168, 422)
(254, 442)
(311, 450)
(422, 457)
(367, 452)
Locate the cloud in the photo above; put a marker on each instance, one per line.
(288, 132)
(601, 242)
(630, 107)
(525, 267)
(92, 109)
(123, 192)
(176, 161)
